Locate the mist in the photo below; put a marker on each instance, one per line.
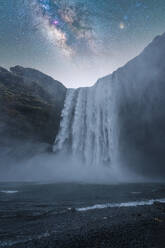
(23, 166)
(109, 133)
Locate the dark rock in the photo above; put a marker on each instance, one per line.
(139, 99)
(73, 210)
(29, 110)
(160, 205)
(55, 89)
(3, 70)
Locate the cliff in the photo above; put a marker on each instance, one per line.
(30, 106)
(139, 99)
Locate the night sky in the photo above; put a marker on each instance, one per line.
(77, 41)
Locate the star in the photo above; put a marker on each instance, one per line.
(125, 17)
(55, 22)
(121, 25)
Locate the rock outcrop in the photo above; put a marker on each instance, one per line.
(139, 99)
(30, 105)
(121, 119)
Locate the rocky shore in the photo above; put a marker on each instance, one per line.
(30, 111)
(139, 227)
(48, 216)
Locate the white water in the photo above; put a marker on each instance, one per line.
(9, 191)
(87, 126)
(123, 204)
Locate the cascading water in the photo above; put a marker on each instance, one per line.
(87, 125)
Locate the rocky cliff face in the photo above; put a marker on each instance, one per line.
(139, 98)
(30, 106)
(53, 88)
(121, 119)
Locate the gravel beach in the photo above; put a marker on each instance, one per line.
(35, 220)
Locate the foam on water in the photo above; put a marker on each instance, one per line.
(123, 204)
(10, 243)
(9, 191)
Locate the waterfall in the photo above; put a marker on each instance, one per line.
(86, 129)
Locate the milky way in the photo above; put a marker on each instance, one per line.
(83, 27)
(77, 41)
(67, 24)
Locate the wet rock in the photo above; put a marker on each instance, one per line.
(27, 109)
(160, 205)
(28, 112)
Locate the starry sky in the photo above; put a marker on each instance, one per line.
(77, 41)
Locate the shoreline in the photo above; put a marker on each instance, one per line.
(48, 216)
(131, 227)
